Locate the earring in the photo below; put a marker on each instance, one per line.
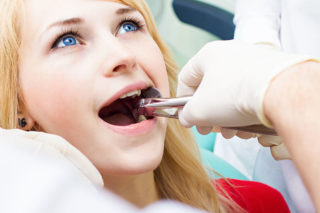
(22, 122)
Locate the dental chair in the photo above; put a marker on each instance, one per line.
(208, 17)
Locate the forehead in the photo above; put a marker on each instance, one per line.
(54, 8)
(63, 5)
(41, 12)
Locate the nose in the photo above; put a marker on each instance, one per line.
(117, 57)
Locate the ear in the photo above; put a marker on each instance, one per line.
(25, 121)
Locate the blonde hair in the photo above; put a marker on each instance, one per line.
(9, 55)
(180, 176)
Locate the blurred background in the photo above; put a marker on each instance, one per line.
(185, 39)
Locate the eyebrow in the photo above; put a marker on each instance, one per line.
(71, 21)
(125, 10)
(77, 21)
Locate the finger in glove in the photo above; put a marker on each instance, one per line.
(280, 152)
(245, 135)
(204, 130)
(228, 133)
(269, 140)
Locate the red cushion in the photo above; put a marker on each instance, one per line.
(254, 196)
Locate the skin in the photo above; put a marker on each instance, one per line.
(296, 119)
(64, 87)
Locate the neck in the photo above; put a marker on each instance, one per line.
(139, 190)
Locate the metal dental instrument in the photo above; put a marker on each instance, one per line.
(168, 107)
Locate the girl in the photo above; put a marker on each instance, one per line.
(74, 68)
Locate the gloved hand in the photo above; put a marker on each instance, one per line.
(228, 80)
(55, 147)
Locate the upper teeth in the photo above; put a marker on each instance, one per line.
(131, 94)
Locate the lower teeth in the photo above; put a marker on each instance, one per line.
(141, 118)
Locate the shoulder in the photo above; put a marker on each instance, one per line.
(253, 196)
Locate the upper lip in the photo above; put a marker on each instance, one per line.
(125, 90)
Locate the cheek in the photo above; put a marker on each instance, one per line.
(47, 100)
(154, 64)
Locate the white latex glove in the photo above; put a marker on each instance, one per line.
(55, 147)
(228, 80)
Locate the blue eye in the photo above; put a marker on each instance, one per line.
(127, 27)
(68, 40)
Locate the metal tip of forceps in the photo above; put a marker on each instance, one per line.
(162, 107)
(168, 107)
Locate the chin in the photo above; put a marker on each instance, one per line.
(135, 163)
(137, 169)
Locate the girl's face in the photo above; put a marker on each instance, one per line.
(78, 57)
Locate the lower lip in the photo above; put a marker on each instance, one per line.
(134, 130)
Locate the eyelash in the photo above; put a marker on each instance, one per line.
(138, 23)
(75, 32)
(63, 33)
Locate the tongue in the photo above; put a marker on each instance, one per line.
(119, 119)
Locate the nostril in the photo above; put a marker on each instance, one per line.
(119, 68)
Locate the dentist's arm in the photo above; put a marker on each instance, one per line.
(292, 104)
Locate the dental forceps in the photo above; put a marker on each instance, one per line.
(168, 107)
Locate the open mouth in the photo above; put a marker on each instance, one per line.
(124, 111)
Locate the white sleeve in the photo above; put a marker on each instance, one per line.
(258, 21)
(36, 183)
